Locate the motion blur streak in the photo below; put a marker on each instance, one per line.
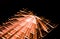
(25, 25)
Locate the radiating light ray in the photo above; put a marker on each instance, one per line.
(25, 25)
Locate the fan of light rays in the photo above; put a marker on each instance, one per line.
(25, 25)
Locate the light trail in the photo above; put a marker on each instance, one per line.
(25, 26)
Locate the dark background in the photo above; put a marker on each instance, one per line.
(48, 9)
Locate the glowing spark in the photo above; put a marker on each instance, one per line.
(25, 25)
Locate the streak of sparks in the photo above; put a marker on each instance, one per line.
(25, 26)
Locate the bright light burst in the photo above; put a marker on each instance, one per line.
(25, 25)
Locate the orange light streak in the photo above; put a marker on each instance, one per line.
(25, 25)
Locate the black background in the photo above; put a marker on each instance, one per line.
(48, 9)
